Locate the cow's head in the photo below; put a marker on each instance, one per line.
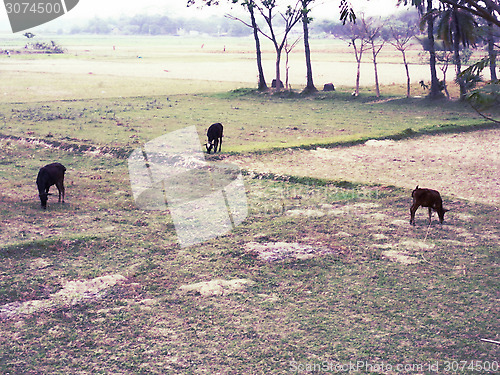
(43, 199)
(209, 146)
(441, 214)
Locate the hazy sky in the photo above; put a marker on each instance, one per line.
(178, 7)
(108, 8)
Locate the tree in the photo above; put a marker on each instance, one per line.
(305, 25)
(402, 35)
(490, 33)
(250, 6)
(372, 29)
(456, 27)
(487, 96)
(445, 58)
(290, 17)
(488, 10)
(288, 49)
(354, 35)
(491, 48)
(334, 28)
(435, 91)
(425, 9)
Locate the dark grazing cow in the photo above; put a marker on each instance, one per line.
(51, 174)
(427, 198)
(214, 134)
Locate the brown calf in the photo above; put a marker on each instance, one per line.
(427, 198)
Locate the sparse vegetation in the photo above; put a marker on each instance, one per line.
(45, 47)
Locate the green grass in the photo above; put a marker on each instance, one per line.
(253, 122)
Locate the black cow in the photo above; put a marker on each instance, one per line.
(427, 198)
(51, 174)
(214, 135)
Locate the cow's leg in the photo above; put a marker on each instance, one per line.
(413, 209)
(220, 143)
(60, 187)
(430, 215)
(216, 144)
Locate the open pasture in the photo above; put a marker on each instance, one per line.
(464, 165)
(111, 66)
(252, 122)
(325, 270)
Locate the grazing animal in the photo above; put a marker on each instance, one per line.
(51, 174)
(423, 85)
(427, 198)
(214, 134)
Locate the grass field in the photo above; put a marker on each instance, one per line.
(111, 66)
(325, 275)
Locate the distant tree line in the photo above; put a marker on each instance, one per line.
(143, 24)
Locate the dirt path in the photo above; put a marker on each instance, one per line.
(462, 165)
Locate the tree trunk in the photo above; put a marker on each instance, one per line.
(444, 69)
(493, 56)
(287, 68)
(377, 86)
(435, 92)
(491, 50)
(278, 72)
(408, 82)
(262, 86)
(358, 55)
(456, 56)
(358, 74)
(458, 67)
(310, 84)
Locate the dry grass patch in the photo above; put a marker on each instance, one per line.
(462, 165)
(400, 256)
(217, 287)
(73, 293)
(277, 251)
